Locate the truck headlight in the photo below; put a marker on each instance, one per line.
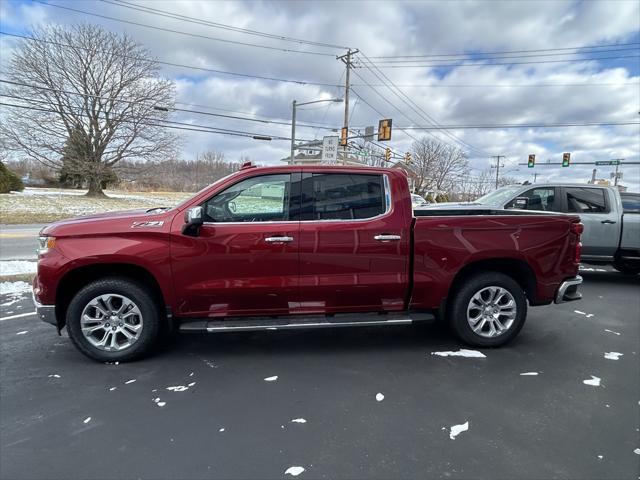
(45, 244)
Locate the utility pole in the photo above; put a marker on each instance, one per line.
(497, 167)
(618, 160)
(535, 177)
(293, 131)
(346, 59)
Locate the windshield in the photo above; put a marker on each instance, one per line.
(202, 190)
(500, 196)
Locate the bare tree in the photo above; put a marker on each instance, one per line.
(437, 166)
(96, 92)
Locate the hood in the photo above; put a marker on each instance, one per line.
(110, 222)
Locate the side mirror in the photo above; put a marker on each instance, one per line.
(193, 218)
(520, 203)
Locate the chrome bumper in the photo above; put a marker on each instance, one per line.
(568, 290)
(46, 313)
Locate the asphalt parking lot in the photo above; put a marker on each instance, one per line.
(64, 416)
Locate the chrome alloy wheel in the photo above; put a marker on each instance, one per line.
(111, 322)
(491, 311)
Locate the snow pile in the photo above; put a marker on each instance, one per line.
(17, 267)
(458, 429)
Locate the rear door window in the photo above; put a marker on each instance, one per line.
(630, 203)
(341, 196)
(586, 200)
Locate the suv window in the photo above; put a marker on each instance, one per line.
(630, 202)
(543, 198)
(338, 196)
(257, 199)
(586, 200)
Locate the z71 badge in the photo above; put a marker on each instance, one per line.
(149, 224)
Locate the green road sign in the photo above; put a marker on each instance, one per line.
(608, 162)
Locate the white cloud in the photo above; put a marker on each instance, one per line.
(392, 28)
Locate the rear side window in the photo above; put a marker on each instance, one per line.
(337, 196)
(586, 200)
(630, 203)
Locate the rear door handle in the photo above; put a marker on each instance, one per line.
(278, 239)
(387, 238)
(608, 222)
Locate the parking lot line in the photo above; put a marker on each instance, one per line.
(17, 316)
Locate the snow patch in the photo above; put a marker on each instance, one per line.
(14, 288)
(458, 429)
(271, 379)
(594, 381)
(130, 381)
(611, 331)
(178, 388)
(294, 471)
(600, 457)
(87, 420)
(112, 389)
(461, 353)
(298, 420)
(54, 375)
(22, 332)
(18, 267)
(637, 451)
(221, 430)
(161, 404)
(613, 355)
(528, 374)
(379, 397)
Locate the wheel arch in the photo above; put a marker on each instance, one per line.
(515, 268)
(77, 278)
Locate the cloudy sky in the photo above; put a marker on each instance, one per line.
(434, 72)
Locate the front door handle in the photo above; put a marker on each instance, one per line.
(278, 239)
(608, 222)
(387, 238)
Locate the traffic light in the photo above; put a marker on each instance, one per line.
(384, 130)
(387, 154)
(566, 159)
(407, 157)
(532, 161)
(344, 133)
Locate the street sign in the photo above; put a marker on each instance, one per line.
(368, 134)
(608, 162)
(330, 149)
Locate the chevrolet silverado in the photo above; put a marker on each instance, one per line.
(300, 247)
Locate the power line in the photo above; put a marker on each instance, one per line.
(233, 117)
(480, 57)
(508, 63)
(510, 51)
(177, 16)
(514, 85)
(195, 35)
(523, 125)
(169, 124)
(179, 65)
(416, 108)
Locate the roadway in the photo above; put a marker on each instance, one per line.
(64, 416)
(19, 242)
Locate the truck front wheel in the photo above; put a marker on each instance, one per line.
(488, 310)
(113, 319)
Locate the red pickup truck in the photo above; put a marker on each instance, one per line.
(300, 247)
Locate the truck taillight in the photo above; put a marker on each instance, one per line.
(577, 252)
(577, 228)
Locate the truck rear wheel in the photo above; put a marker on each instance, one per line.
(113, 319)
(626, 267)
(488, 310)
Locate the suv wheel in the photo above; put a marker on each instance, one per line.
(488, 310)
(113, 320)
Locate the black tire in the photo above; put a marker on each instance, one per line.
(457, 311)
(143, 299)
(625, 268)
